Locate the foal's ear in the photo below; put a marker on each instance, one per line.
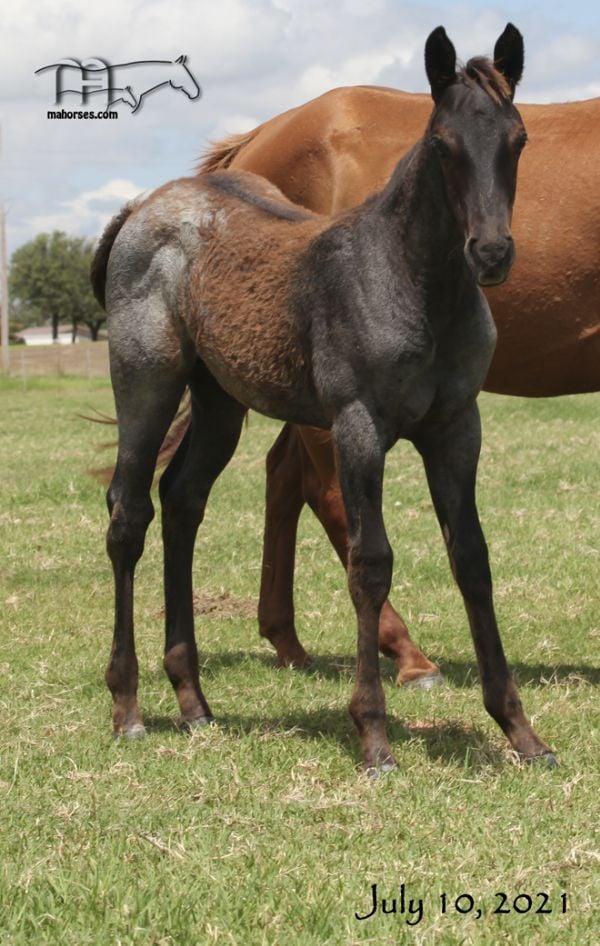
(509, 56)
(440, 62)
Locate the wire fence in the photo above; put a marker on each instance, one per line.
(85, 359)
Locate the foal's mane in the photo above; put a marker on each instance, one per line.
(482, 72)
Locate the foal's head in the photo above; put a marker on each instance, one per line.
(477, 134)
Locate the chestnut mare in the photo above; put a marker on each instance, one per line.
(329, 155)
(370, 322)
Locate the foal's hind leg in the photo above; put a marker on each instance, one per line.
(450, 454)
(184, 489)
(146, 401)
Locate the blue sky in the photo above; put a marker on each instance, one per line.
(583, 15)
(253, 59)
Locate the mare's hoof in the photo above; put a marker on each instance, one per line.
(427, 681)
(374, 772)
(134, 732)
(304, 663)
(191, 725)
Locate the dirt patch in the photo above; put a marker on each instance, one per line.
(223, 605)
(220, 604)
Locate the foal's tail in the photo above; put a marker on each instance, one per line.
(100, 261)
(220, 154)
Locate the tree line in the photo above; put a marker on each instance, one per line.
(49, 281)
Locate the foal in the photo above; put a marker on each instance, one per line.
(370, 323)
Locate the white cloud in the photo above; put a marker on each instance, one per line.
(232, 125)
(564, 53)
(253, 59)
(82, 215)
(359, 70)
(566, 93)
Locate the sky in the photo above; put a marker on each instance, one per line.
(252, 59)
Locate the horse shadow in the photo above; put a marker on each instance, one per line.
(447, 742)
(461, 674)
(443, 742)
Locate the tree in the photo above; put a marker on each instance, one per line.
(49, 279)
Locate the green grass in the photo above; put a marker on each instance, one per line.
(261, 830)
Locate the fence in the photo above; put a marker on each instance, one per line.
(88, 359)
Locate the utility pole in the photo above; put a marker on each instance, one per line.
(4, 294)
(3, 289)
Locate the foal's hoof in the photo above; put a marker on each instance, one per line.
(191, 725)
(545, 758)
(138, 731)
(373, 772)
(427, 681)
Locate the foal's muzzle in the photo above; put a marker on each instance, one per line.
(490, 261)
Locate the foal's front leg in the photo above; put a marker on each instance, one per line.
(450, 453)
(360, 458)
(318, 468)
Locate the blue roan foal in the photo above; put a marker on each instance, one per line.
(371, 323)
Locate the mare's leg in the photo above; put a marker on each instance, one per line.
(146, 398)
(184, 488)
(284, 502)
(360, 458)
(301, 468)
(323, 493)
(450, 454)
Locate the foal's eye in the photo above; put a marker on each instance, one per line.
(520, 143)
(441, 147)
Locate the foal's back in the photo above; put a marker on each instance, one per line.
(214, 258)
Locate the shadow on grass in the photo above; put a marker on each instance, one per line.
(161, 724)
(459, 673)
(443, 741)
(463, 746)
(448, 742)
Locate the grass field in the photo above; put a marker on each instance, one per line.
(261, 830)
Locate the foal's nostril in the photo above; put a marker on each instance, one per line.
(493, 252)
(490, 259)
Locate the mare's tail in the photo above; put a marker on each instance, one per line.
(173, 438)
(220, 154)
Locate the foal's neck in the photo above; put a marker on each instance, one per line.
(413, 217)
